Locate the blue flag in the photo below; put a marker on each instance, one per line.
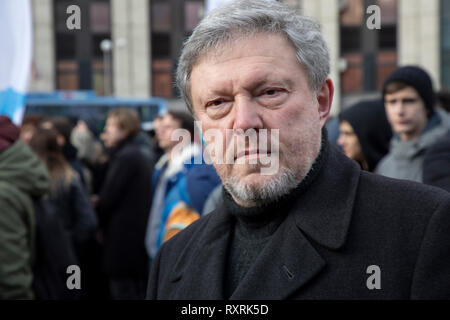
(15, 56)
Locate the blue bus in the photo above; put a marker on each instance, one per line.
(86, 105)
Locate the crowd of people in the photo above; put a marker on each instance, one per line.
(107, 199)
(403, 135)
(104, 201)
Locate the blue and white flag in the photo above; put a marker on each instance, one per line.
(15, 56)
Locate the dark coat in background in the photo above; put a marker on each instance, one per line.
(54, 254)
(78, 217)
(123, 210)
(436, 165)
(345, 222)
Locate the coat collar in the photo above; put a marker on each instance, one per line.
(324, 211)
(290, 260)
(201, 270)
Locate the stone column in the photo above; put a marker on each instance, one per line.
(326, 12)
(419, 36)
(131, 48)
(43, 72)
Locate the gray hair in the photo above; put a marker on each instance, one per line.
(246, 17)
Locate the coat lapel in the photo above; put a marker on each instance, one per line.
(287, 263)
(324, 212)
(200, 274)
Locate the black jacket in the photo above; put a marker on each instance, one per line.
(436, 165)
(123, 210)
(75, 210)
(345, 222)
(54, 254)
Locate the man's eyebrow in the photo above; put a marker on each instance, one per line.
(270, 81)
(222, 90)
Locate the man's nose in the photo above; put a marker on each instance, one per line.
(247, 114)
(399, 107)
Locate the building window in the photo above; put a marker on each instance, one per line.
(171, 23)
(350, 39)
(370, 54)
(79, 60)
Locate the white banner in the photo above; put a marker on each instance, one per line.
(15, 56)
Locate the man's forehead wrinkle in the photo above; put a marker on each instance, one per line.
(239, 39)
(223, 57)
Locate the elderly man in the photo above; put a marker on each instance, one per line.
(317, 228)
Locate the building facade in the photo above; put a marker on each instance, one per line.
(144, 39)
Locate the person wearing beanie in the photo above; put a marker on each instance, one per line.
(365, 133)
(409, 101)
(22, 177)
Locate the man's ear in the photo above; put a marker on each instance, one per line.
(325, 100)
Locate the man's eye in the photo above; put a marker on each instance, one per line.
(409, 100)
(271, 92)
(215, 103)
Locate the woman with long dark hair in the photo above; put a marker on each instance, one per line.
(67, 195)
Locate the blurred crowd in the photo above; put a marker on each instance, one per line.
(103, 199)
(106, 199)
(404, 135)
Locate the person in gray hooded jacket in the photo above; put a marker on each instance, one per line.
(22, 177)
(409, 101)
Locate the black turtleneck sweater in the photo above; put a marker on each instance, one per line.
(255, 226)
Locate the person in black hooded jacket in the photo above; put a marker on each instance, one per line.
(365, 133)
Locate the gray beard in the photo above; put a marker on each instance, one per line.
(269, 192)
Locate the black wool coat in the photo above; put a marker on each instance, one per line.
(347, 222)
(436, 164)
(123, 210)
